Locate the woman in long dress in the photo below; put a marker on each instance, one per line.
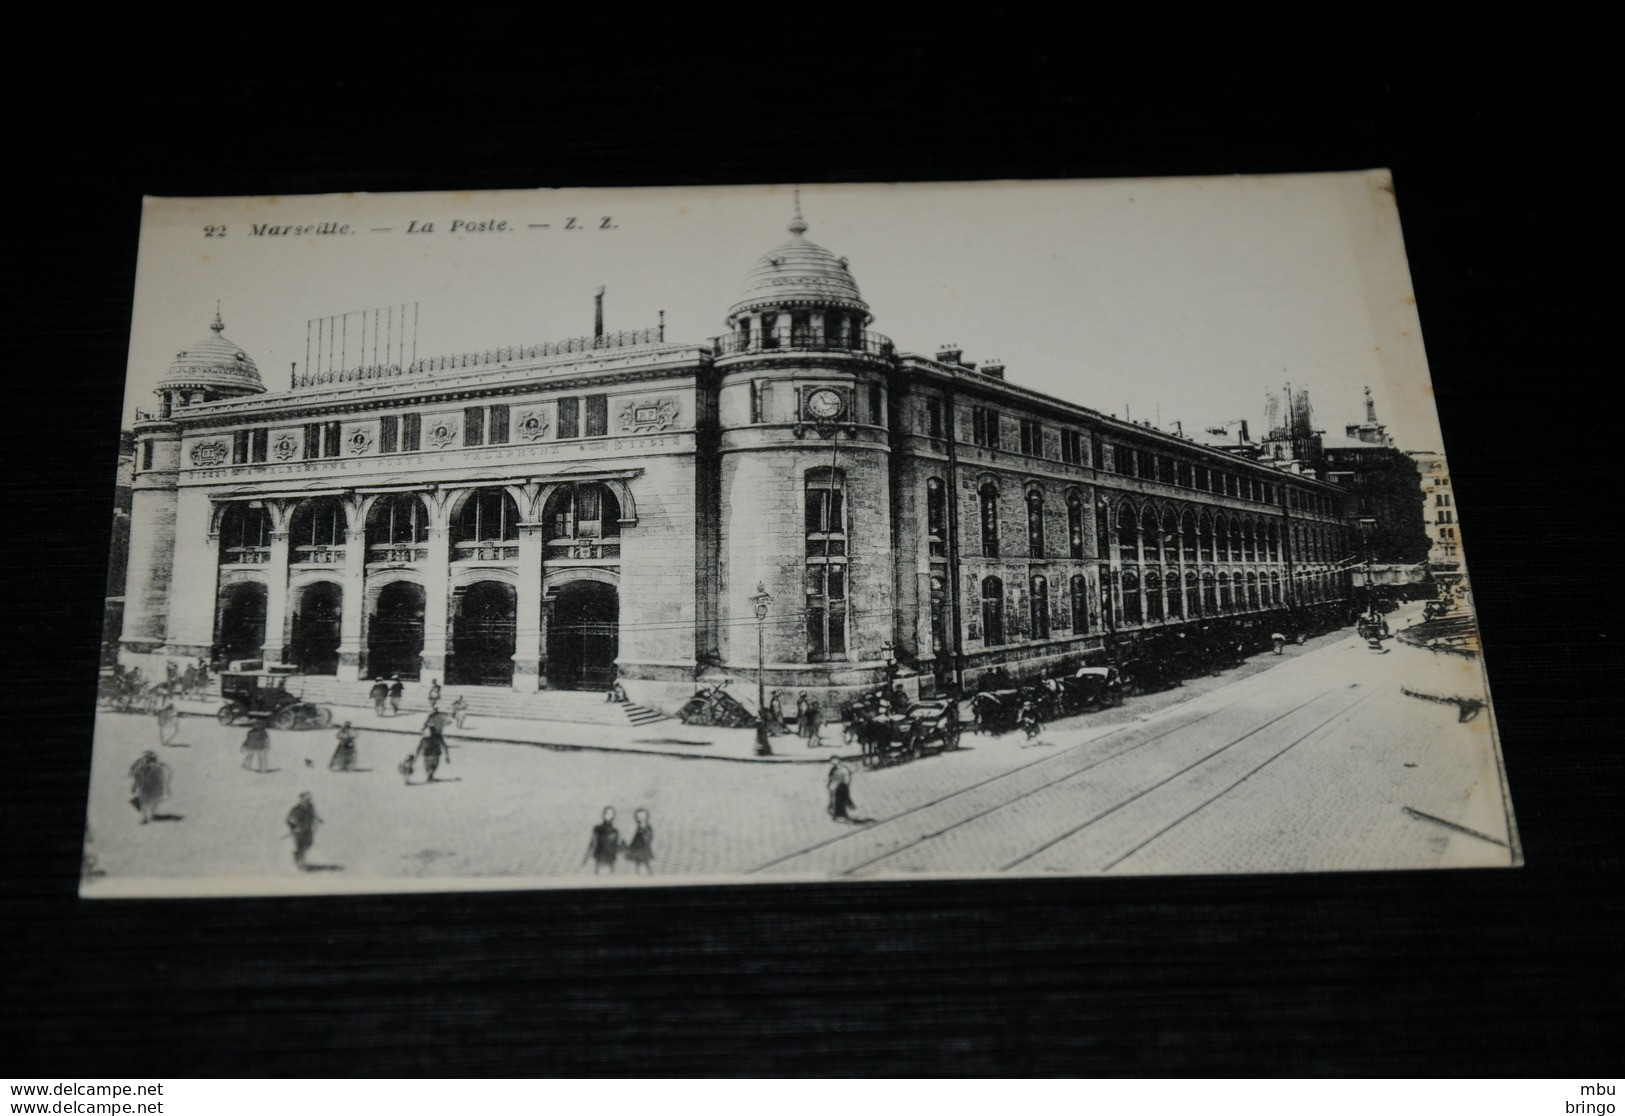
(641, 849)
(149, 785)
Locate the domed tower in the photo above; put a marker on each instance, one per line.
(804, 476)
(209, 370)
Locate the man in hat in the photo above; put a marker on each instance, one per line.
(433, 743)
(379, 694)
(302, 823)
(396, 689)
(149, 784)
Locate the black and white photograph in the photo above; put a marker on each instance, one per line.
(606, 538)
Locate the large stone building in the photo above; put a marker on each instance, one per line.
(1439, 514)
(568, 514)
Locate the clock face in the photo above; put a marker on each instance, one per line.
(825, 403)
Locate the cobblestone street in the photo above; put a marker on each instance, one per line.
(1304, 762)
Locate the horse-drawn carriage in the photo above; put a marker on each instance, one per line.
(926, 727)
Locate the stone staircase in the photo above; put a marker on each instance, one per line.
(577, 707)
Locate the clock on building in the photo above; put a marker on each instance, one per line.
(825, 404)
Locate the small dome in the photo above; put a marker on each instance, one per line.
(215, 364)
(799, 271)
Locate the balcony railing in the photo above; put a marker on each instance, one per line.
(321, 555)
(485, 552)
(397, 552)
(583, 550)
(807, 340)
(245, 555)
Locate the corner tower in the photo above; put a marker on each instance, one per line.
(208, 370)
(805, 460)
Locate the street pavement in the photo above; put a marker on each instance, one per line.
(1312, 761)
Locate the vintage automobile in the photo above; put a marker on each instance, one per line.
(924, 728)
(1094, 687)
(265, 693)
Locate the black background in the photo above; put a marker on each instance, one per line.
(1495, 156)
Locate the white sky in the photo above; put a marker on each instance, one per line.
(1189, 298)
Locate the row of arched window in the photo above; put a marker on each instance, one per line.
(1142, 535)
(401, 520)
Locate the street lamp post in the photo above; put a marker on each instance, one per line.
(1366, 526)
(760, 603)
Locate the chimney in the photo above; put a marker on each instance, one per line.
(598, 313)
(950, 353)
(994, 368)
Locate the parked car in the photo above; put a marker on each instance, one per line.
(265, 693)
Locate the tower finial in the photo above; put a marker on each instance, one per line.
(798, 224)
(217, 325)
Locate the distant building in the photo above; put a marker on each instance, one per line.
(1439, 513)
(602, 510)
(1385, 486)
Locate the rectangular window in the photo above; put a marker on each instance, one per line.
(933, 417)
(1147, 464)
(330, 439)
(1032, 438)
(1099, 451)
(389, 434)
(146, 455)
(259, 442)
(597, 416)
(473, 426)
(497, 425)
(985, 427)
(1072, 447)
(239, 447)
(411, 432)
(570, 418)
(875, 413)
(1125, 462)
(756, 401)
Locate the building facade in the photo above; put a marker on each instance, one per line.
(1439, 513)
(615, 508)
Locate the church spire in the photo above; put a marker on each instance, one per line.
(217, 325)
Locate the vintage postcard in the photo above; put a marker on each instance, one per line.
(571, 538)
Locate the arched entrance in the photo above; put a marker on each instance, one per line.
(240, 622)
(583, 637)
(395, 631)
(315, 644)
(482, 642)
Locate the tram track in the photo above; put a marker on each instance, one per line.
(1070, 755)
(1007, 804)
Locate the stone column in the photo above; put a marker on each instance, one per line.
(276, 598)
(436, 599)
(528, 653)
(355, 604)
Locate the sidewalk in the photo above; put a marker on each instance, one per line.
(668, 738)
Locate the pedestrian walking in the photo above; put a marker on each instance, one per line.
(433, 743)
(149, 784)
(344, 755)
(302, 823)
(641, 850)
(775, 715)
(169, 722)
(839, 783)
(604, 845)
(803, 720)
(379, 694)
(256, 747)
(434, 692)
(459, 710)
(395, 692)
(815, 725)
